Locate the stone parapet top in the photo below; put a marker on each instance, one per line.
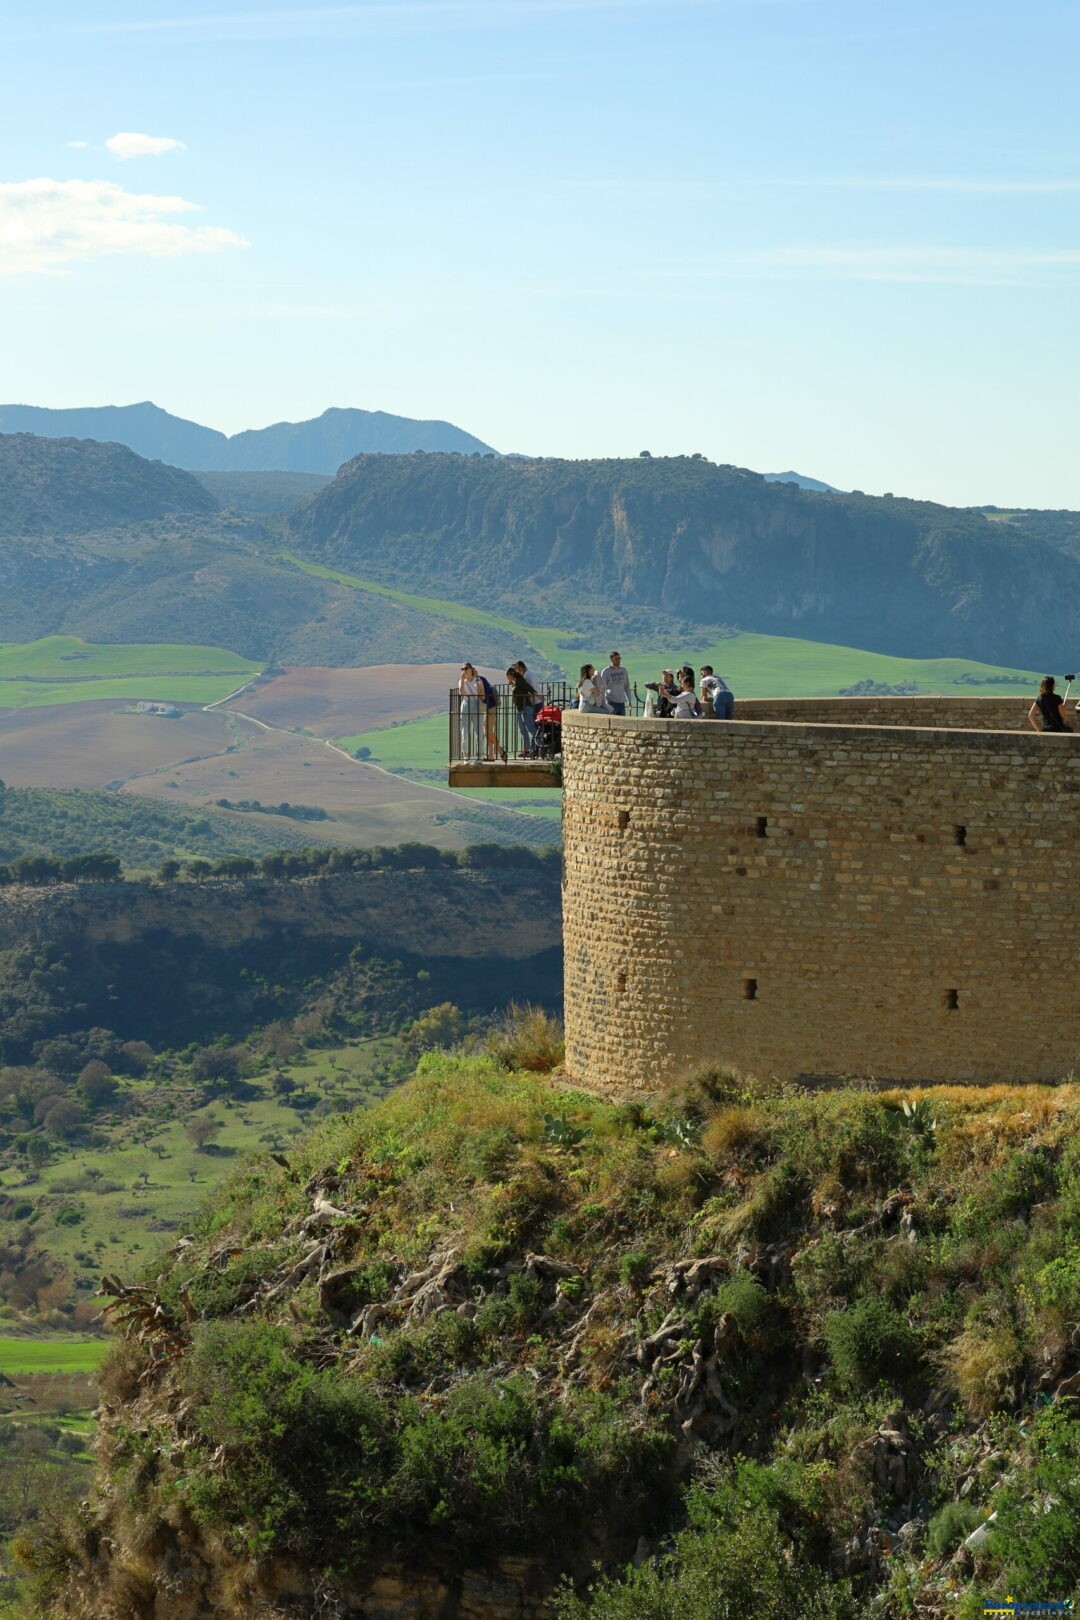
(825, 731)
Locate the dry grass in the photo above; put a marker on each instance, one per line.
(733, 1133)
(983, 1364)
(528, 1038)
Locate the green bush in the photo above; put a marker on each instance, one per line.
(951, 1525)
(1036, 1535)
(323, 1464)
(869, 1341)
(744, 1298)
(748, 1569)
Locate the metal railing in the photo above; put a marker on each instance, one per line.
(479, 735)
(482, 735)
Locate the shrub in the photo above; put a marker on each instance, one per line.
(982, 1364)
(748, 1570)
(951, 1525)
(733, 1133)
(869, 1341)
(1036, 1536)
(528, 1038)
(744, 1298)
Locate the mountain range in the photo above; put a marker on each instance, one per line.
(716, 544)
(98, 542)
(316, 446)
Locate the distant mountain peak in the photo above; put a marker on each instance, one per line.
(319, 445)
(802, 481)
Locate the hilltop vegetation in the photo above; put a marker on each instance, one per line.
(681, 535)
(819, 1337)
(66, 486)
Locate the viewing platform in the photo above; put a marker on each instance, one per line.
(506, 746)
(507, 752)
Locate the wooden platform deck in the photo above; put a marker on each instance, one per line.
(516, 773)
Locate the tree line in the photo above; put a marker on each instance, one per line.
(39, 871)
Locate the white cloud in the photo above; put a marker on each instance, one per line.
(46, 224)
(129, 144)
(79, 146)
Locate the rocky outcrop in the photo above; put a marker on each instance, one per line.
(711, 543)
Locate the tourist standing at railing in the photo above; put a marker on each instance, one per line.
(489, 703)
(590, 697)
(614, 684)
(469, 690)
(523, 698)
(536, 702)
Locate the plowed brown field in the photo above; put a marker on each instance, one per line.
(341, 702)
(90, 745)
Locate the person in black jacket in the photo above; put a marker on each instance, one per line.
(1047, 713)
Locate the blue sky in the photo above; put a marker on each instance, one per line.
(835, 235)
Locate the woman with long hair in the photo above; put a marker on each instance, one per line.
(469, 690)
(590, 697)
(1047, 713)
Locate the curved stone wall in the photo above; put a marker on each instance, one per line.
(820, 900)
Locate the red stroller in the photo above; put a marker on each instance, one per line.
(548, 739)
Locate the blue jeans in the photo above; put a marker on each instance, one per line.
(723, 705)
(616, 708)
(526, 724)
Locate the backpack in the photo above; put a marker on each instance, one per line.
(491, 697)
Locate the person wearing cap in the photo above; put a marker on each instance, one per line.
(614, 684)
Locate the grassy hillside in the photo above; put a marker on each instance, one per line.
(65, 669)
(818, 1338)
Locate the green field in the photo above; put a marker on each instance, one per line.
(63, 669)
(62, 1355)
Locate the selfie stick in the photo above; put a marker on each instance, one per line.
(1068, 682)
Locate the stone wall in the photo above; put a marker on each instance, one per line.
(820, 900)
(964, 713)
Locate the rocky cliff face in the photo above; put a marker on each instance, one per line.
(710, 543)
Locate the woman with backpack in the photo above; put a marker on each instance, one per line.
(489, 702)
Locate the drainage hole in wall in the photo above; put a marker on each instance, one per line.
(961, 836)
(763, 826)
(624, 820)
(952, 1001)
(620, 981)
(749, 989)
